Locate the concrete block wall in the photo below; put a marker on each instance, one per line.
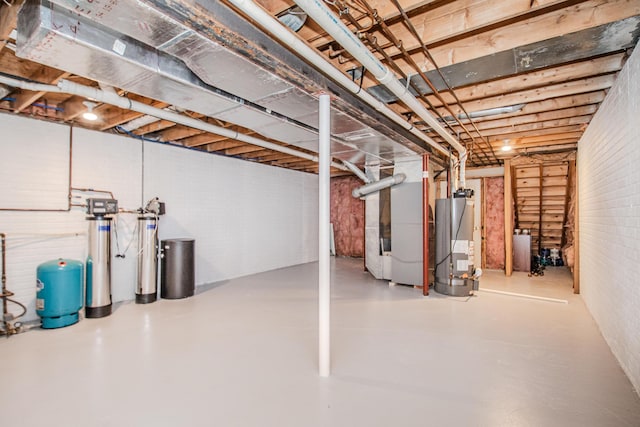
(245, 217)
(609, 218)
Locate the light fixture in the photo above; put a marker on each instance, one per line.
(506, 146)
(89, 114)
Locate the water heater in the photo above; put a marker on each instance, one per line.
(454, 269)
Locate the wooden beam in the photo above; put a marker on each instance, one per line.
(202, 139)
(535, 126)
(8, 20)
(537, 79)
(570, 177)
(114, 116)
(223, 145)
(73, 107)
(541, 192)
(534, 118)
(508, 219)
(550, 105)
(154, 127)
(242, 150)
(575, 87)
(576, 239)
(179, 132)
(473, 35)
(44, 75)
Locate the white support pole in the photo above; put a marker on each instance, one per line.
(324, 266)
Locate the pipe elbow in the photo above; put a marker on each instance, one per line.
(378, 185)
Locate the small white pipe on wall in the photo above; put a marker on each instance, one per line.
(324, 262)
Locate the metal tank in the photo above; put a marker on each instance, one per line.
(147, 288)
(98, 274)
(454, 270)
(177, 279)
(59, 292)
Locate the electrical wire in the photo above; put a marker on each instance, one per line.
(119, 253)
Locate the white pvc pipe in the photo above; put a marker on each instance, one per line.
(324, 17)
(514, 294)
(112, 98)
(324, 266)
(379, 185)
(283, 34)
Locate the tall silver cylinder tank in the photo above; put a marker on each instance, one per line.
(454, 267)
(98, 271)
(147, 288)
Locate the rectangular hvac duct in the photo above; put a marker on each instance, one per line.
(137, 48)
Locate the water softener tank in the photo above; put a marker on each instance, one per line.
(98, 294)
(147, 288)
(59, 292)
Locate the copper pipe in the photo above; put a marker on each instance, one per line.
(425, 224)
(398, 43)
(414, 32)
(93, 190)
(69, 188)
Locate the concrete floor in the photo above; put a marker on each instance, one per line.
(243, 353)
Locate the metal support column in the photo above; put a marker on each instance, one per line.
(324, 265)
(425, 224)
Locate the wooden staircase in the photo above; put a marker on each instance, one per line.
(541, 194)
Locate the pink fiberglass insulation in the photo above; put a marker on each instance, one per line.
(494, 222)
(347, 216)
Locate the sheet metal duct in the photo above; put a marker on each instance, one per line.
(137, 48)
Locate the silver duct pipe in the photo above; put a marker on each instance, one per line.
(112, 98)
(357, 172)
(268, 22)
(324, 17)
(379, 185)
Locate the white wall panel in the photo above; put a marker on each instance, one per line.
(609, 203)
(28, 171)
(245, 217)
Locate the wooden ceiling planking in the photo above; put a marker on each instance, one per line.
(559, 99)
(536, 79)
(535, 118)
(574, 87)
(485, 39)
(153, 127)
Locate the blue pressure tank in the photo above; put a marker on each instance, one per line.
(59, 295)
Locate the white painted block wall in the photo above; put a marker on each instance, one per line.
(609, 203)
(245, 217)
